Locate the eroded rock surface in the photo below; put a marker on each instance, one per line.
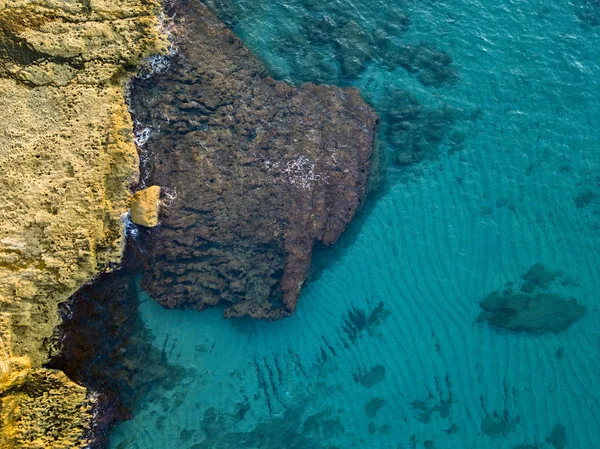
(67, 160)
(258, 171)
(145, 206)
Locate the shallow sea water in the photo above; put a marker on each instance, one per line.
(384, 350)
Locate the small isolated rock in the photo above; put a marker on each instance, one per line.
(144, 207)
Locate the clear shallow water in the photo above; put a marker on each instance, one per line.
(391, 315)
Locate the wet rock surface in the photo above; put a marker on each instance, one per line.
(257, 171)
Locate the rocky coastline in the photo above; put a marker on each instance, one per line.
(252, 173)
(67, 163)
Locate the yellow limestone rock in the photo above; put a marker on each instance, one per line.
(145, 206)
(67, 160)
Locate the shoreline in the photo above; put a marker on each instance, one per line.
(99, 279)
(67, 161)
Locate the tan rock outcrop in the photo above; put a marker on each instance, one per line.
(145, 205)
(67, 160)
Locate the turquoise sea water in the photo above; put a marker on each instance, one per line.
(384, 351)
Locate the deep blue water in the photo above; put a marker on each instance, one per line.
(500, 103)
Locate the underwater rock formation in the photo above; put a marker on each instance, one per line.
(539, 277)
(372, 407)
(67, 160)
(433, 66)
(112, 354)
(496, 424)
(258, 171)
(528, 310)
(558, 437)
(298, 427)
(588, 12)
(416, 131)
(539, 313)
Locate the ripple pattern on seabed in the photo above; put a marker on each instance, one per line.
(385, 350)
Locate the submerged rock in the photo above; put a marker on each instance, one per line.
(416, 131)
(372, 407)
(372, 377)
(434, 67)
(113, 354)
(355, 49)
(496, 425)
(539, 277)
(585, 198)
(558, 437)
(530, 311)
(539, 313)
(261, 171)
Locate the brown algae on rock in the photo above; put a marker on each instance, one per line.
(263, 171)
(67, 160)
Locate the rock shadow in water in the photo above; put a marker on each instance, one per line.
(105, 346)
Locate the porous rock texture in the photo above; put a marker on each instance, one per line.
(67, 160)
(145, 206)
(257, 172)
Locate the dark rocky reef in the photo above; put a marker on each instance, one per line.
(299, 427)
(258, 170)
(558, 437)
(337, 44)
(417, 131)
(533, 309)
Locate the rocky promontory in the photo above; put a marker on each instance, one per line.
(254, 172)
